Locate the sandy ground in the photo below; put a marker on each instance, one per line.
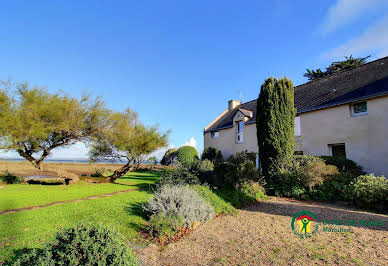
(261, 234)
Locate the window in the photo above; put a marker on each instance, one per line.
(337, 150)
(297, 131)
(215, 134)
(359, 109)
(240, 132)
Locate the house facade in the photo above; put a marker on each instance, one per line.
(345, 114)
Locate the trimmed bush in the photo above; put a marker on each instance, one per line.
(219, 205)
(253, 189)
(186, 155)
(169, 157)
(161, 226)
(179, 201)
(344, 165)
(213, 155)
(9, 178)
(177, 175)
(82, 245)
(235, 197)
(369, 191)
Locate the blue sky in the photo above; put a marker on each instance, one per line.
(177, 63)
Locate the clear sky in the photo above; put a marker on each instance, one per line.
(177, 63)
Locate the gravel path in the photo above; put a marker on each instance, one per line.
(261, 234)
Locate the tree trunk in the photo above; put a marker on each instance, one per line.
(31, 159)
(120, 172)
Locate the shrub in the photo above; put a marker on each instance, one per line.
(161, 226)
(235, 197)
(169, 157)
(219, 205)
(334, 188)
(9, 178)
(179, 201)
(177, 175)
(344, 165)
(47, 181)
(98, 172)
(301, 177)
(82, 245)
(238, 169)
(203, 169)
(369, 191)
(186, 155)
(213, 155)
(253, 189)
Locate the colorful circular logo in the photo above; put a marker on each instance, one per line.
(304, 224)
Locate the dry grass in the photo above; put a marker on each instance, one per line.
(261, 234)
(24, 168)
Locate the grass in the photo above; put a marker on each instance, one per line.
(21, 195)
(28, 229)
(219, 205)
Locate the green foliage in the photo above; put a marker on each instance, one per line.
(369, 191)
(34, 122)
(213, 155)
(186, 155)
(9, 178)
(82, 245)
(219, 205)
(237, 170)
(303, 177)
(235, 197)
(153, 160)
(161, 226)
(254, 190)
(177, 175)
(335, 67)
(98, 172)
(169, 157)
(179, 201)
(275, 123)
(344, 165)
(126, 138)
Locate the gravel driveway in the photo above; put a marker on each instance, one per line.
(262, 234)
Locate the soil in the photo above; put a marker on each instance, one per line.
(262, 234)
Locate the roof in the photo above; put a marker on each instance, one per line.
(359, 83)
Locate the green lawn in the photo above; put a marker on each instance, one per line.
(32, 228)
(20, 196)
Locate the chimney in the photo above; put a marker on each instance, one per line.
(233, 104)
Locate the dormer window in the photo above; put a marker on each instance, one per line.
(359, 109)
(240, 132)
(215, 134)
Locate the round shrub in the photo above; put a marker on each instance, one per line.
(177, 175)
(370, 191)
(181, 201)
(82, 245)
(169, 157)
(186, 155)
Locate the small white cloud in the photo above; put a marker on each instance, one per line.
(373, 40)
(191, 142)
(346, 11)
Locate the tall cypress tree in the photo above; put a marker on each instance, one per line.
(275, 118)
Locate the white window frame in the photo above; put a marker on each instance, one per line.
(359, 114)
(215, 134)
(239, 132)
(297, 128)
